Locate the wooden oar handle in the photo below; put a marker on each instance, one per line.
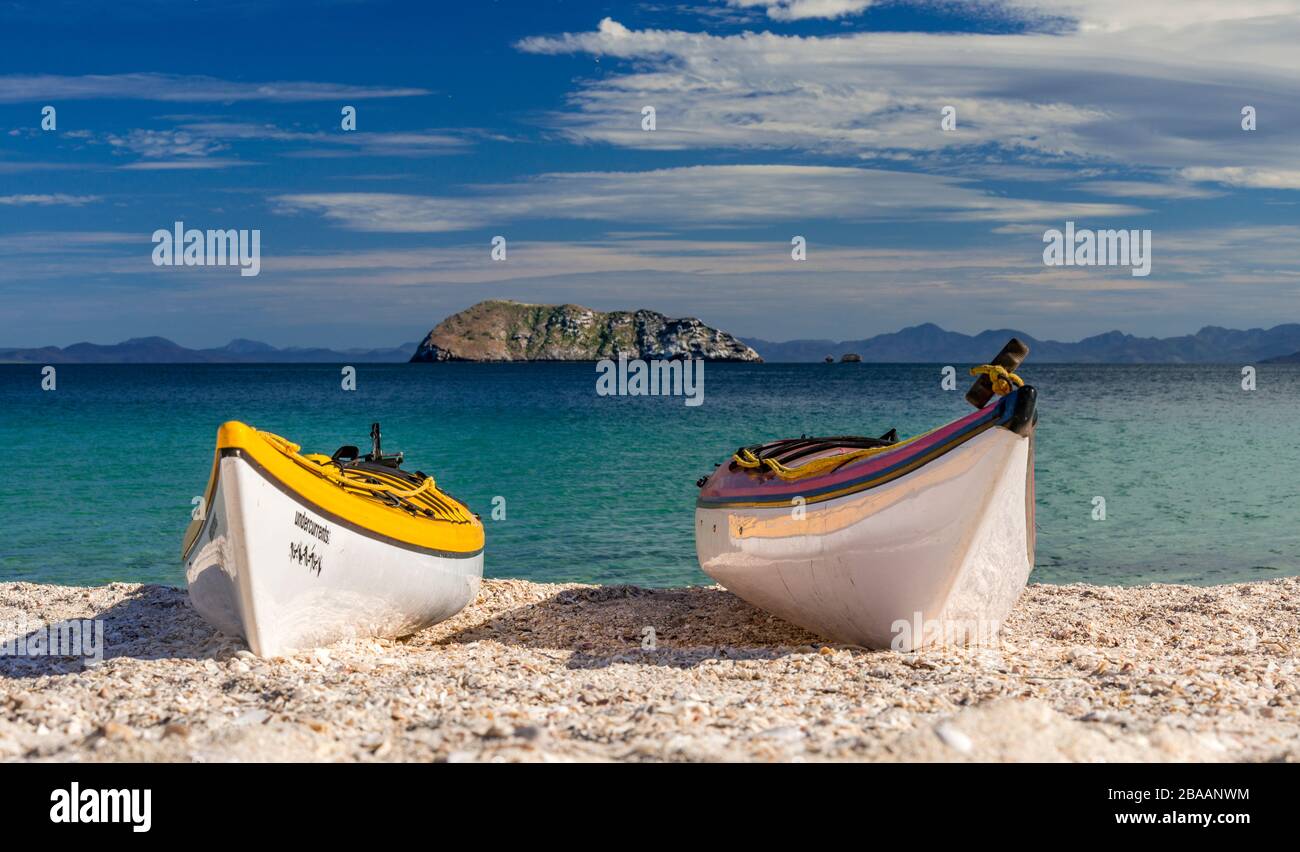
(1009, 358)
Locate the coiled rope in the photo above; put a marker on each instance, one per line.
(1003, 381)
(342, 476)
(1001, 378)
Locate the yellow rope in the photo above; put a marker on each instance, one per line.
(746, 459)
(343, 478)
(828, 463)
(1001, 377)
(1003, 380)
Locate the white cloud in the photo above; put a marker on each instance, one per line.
(50, 200)
(155, 144)
(699, 196)
(1086, 15)
(1115, 92)
(1119, 15)
(798, 10)
(395, 143)
(192, 145)
(63, 242)
(186, 165)
(1238, 277)
(1254, 178)
(19, 88)
(467, 264)
(1145, 189)
(6, 167)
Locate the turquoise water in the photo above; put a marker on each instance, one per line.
(1201, 479)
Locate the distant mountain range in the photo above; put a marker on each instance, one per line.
(926, 343)
(160, 350)
(929, 343)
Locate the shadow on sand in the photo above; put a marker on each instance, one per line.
(604, 625)
(588, 627)
(151, 623)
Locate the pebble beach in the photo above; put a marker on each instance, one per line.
(544, 672)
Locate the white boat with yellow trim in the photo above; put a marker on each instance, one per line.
(881, 542)
(295, 551)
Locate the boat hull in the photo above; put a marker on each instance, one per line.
(273, 568)
(939, 554)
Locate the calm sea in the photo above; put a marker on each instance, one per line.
(1201, 479)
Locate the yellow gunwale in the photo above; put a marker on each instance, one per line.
(328, 498)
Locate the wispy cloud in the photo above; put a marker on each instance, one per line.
(21, 88)
(745, 285)
(1148, 86)
(1255, 178)
(1119, 15)
(1145, 189)
(197, 144)
(797, 10)
(17, 167)
(61, 242)
(708, 196)
(49, 200)
(186, 165)
(386, 143)
(164, 143)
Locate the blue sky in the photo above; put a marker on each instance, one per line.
(774, 118)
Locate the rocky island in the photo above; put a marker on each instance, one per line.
(499, 330)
